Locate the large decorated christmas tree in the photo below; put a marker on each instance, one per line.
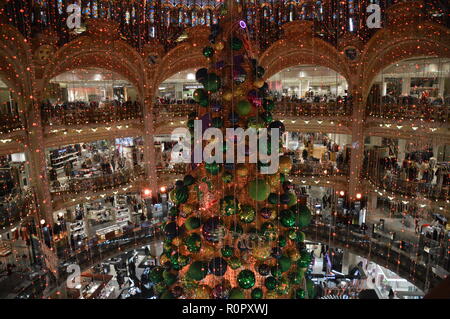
(233, 231)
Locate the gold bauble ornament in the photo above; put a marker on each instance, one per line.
(285, 165)
(202, 292)
(219, 46)
(294, 254)
(241, 170)
(258, 83)
(227, 96)
(163, 259)
(187, 209)
(274, 180)
(238, 92)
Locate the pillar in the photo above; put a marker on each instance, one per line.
(357, 151)
(401, 151)
(384, 89)
(406, 86)
(149, 146)
(36, 156)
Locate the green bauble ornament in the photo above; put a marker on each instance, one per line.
(212, 168)
(257, 293)
(193, 243)
(229, 205)
(304, 217)
(281, 241)
(236, 293)
(255, 123)
(274, 198)
(266, 117)
(271, 283)
(227, 251)
(204, 102)
(243, 107)
(156, 275)
(236, 44)
(246, 279)
(275, 271)
(166, 295)
(198, 270)
(192, 223)
(292, 199)
(208, 52)
(173, 211)
(269, 231)
(287, 218)
(180, 195)
(227, 177)
(295, 277)
(268, 105)
(310, 288)
(212, 82)
(169, 278)
(299, 294)
(236, 229)
(284, 263)
(283, 286)
(247, 214)
(235, 262)
(258, 190)
(217, 122)
(199, 95)
(188, 180)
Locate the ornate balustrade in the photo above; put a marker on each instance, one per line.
(86, 186)
(15, 207)
(310, 168)
(418, 111)
(404, 263)
(55, 116)
(411, 188)
(313, 109)
(10, 123)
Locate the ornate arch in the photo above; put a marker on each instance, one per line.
(100, 50)
(16, 68)
(184, 56)
(298, 46)
(398, 43)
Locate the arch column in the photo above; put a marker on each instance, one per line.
(38, 164)
(149, 145)
(357, 152)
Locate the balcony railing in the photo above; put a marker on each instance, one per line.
(96, 184)
(307, 109)
(409, 265)
(182, 108)
(310, 168)
(393, 183)
(383, 252)
(79, 114)
(10, 122)
(15, 207)
(411, 110)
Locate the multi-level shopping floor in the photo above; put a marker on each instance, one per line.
(87, 117)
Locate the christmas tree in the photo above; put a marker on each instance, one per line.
(234, 232)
